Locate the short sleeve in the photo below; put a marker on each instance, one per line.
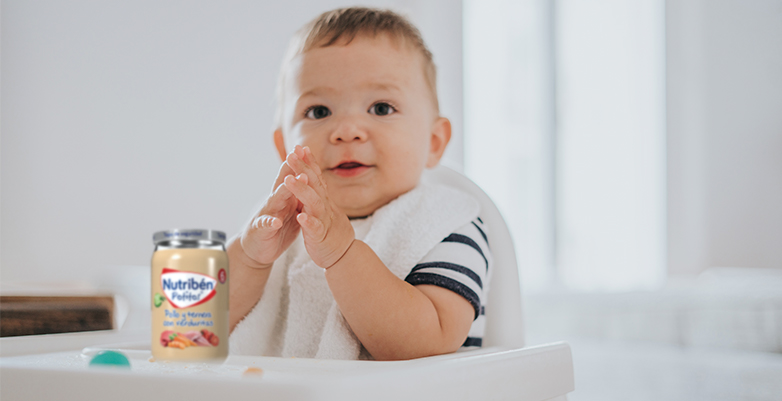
(460, 263)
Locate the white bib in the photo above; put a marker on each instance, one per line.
(297, 315)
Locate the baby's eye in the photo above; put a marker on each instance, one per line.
(382, 109)
(317, 112)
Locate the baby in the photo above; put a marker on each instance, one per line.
(358, 122)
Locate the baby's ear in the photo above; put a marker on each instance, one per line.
(441, 135)
(279, 143)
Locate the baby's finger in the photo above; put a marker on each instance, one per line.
(267, 222)
(312, 226)
(285, 169)
(300, 167)
(296, 161)
(312, 201)
(309, 158)
(280, 197)
(281, 204)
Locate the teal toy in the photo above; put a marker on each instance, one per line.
(110, 358)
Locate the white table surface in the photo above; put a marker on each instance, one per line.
(534, 373)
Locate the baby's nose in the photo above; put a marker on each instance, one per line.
(348, 132)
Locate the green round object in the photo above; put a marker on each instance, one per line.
(158, 300)
(110, 358)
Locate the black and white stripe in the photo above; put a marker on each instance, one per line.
(461, 263)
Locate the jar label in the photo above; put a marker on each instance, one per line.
(184, 289)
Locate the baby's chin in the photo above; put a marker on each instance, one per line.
(362, 201)
(357, 206)
(358, 211)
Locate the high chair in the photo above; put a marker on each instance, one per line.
(55, 366)
(504, 316)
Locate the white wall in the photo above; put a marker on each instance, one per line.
(610, 144)
(123, 118)
(724, 94)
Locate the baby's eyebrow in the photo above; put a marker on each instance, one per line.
(383, 86)
(317, 91)
(320, 90)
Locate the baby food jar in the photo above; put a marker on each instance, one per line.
(189, 295)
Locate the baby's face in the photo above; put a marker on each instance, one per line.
(366, 113)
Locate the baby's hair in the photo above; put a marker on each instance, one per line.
(342, 26)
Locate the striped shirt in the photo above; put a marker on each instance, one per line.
(461, 263)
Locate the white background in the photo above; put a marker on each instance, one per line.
(120, 119)
(724, 112)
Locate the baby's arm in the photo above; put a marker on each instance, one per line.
(392, 318)
(248, 279)
(252, 253)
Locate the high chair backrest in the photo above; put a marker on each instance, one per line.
(504, 326)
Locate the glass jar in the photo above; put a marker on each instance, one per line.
(189, 295)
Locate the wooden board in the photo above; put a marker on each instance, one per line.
(20, 315)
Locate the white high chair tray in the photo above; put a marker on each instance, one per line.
(534, 373)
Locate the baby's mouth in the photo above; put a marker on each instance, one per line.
(350, 169)
(350, 165)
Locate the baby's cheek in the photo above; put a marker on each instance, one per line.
(411, 168)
